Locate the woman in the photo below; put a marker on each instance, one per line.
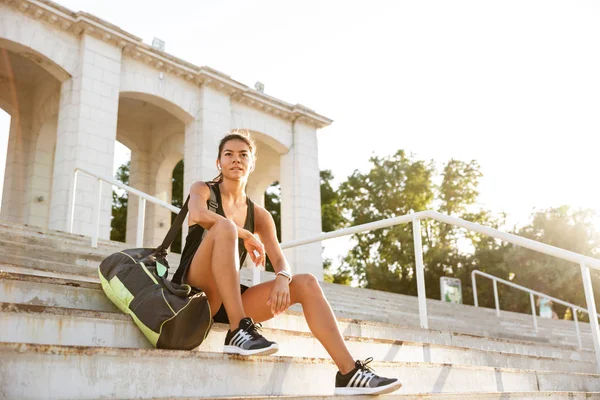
(212, 261)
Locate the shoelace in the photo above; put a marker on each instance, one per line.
(364, 365)
(254, 330)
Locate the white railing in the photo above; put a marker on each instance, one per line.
(574, 308)
(584, 262)
(143, 197)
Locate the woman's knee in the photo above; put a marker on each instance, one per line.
(306, 284)
(224, 228)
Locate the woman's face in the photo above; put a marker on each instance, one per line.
(236, 160)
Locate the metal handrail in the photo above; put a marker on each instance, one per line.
(143, 197)
(531, 292)
(585, 262)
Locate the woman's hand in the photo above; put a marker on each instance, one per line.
(252, 244)
(279, 298)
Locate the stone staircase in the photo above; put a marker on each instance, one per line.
(62, 338)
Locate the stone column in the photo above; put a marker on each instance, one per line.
(41, 175)
(202, 136)
(138, 179)
(17, 174)
(301, 200)
(86, 133)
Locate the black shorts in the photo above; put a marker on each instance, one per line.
(221, 315)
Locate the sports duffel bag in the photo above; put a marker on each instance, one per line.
(170, 315)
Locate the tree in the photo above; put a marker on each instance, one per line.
(118, 221)
(396, 185)
(177, 200)
(331, 213)
(563, 227)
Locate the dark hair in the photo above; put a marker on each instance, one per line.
(243, 136)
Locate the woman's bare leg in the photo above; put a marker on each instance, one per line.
(305, 290)
(215, 269)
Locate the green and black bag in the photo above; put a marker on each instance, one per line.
(172, 316)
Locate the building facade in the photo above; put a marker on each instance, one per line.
(74, 84)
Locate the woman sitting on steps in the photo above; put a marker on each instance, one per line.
(212, 261)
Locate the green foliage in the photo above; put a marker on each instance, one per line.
(177, 200)
(118, 221)
(331, 213)
(561, 227)
(273, 205)
(384, 259)
(343, 276)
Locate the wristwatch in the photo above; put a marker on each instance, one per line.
(286, 274)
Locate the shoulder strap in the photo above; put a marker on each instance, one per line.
(176, 225)
(212, 203)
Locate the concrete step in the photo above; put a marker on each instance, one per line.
(86, 294)
(31, 371)
(45, 258)
(55, 237)
(34, 231)
(49, 254)
(391, 307)
(493, 328)
(388, 302)
(59, 245)
(432, 396)
(61, 326)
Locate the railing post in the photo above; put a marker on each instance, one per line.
(535, 325)
(589, 297)
(496, 298)
(577, 328)
(96, 221)
(475, 300)
(72, 210)
(420, 270)
(139, 241)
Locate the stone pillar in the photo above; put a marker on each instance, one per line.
(301, 200)
(202, 137)
(86, 133)
(257, 194)
(41, 175)
(138, 179)
(17, 174)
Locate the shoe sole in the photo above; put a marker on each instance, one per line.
(350, 391)
(272, 349)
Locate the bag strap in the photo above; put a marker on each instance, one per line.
(212, 203)
(176, 225)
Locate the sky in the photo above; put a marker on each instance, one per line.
(511, 84)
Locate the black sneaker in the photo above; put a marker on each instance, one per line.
(247, 341)
(362, 380)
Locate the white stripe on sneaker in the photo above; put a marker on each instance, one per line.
(240, 339)
(355, 378)
(235, 338)
(364, 380)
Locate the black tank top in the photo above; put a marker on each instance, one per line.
(195, 232)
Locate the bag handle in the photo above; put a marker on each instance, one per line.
(176, 226)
